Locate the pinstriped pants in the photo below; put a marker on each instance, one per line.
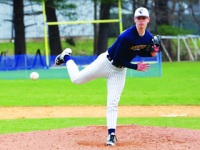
(102, 67)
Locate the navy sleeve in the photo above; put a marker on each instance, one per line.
(144, 53)
(122, 47)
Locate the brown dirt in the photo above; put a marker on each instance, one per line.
(100, 111)
(130, 137)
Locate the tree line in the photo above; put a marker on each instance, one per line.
(163, 14)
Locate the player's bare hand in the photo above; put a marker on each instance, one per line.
(143, 66)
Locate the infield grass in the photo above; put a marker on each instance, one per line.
(27, 125)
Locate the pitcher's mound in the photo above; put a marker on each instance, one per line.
(94, 137)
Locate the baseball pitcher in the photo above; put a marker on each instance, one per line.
(112, 64)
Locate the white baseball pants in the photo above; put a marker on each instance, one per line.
(102, 67)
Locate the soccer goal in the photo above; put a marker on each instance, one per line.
(181, 47)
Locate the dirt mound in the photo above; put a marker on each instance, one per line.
(94, 137)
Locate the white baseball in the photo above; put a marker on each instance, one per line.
(34, 76)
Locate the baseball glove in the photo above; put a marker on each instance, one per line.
(154, 44)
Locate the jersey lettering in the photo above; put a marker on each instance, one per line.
(138, 47)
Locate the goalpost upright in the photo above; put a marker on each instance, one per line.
(76, 22)
(45, 34)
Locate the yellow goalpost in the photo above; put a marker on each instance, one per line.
(76, 22)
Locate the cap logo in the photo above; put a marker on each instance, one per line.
(141, 11)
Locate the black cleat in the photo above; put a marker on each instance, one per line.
(111, 139)
(60, 58)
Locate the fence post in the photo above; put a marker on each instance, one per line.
(188, 49)
(178, 53)
(167, 54)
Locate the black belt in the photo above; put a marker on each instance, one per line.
(113, 63)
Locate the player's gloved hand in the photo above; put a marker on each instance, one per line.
(154, 44)
(142, 67)
(155, 48)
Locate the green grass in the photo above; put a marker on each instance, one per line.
(27, 125)
(179, 85)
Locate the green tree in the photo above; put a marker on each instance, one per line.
(18, 21)
(103, 28)
(102, 44)
(53, 30)
(161, 11)
(95, 28)
(18, 25)
(162, 18)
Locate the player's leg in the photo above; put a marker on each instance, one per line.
(97, 69)
(101, 67)
(115, 86)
